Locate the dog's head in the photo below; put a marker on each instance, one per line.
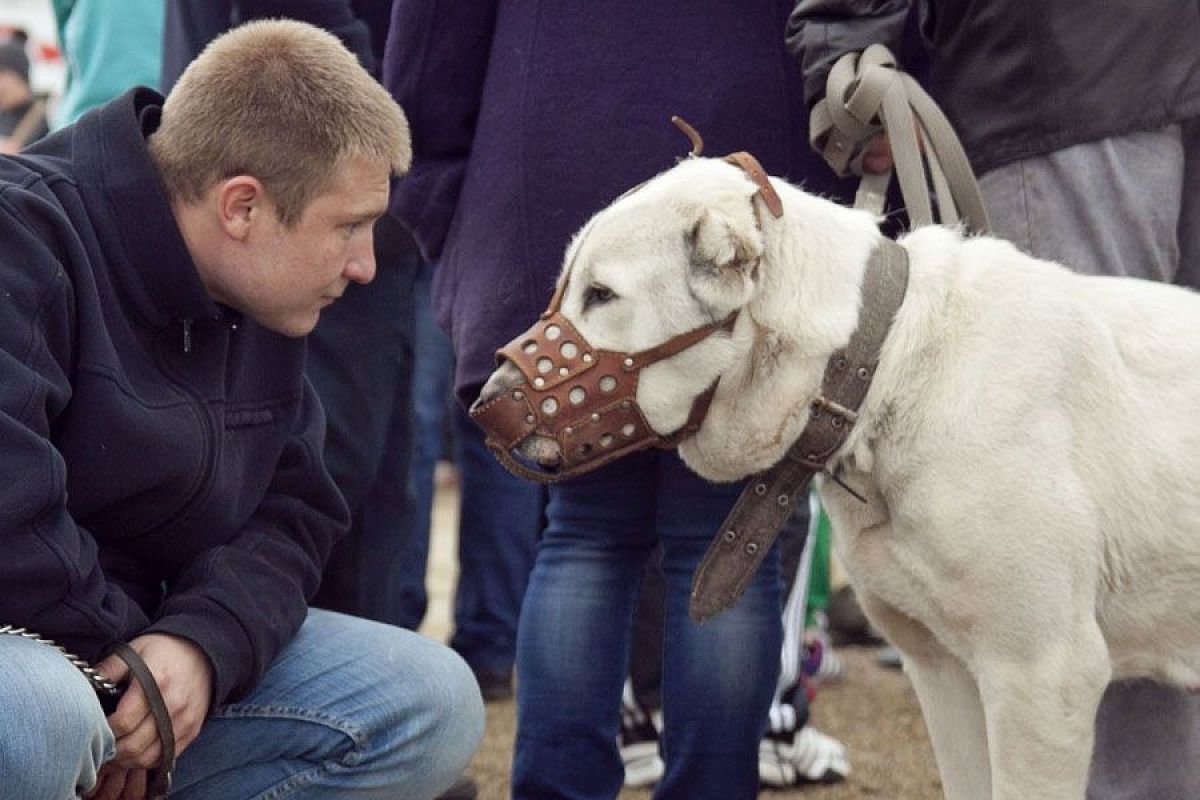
(678, 255)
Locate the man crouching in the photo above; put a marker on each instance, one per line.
(161, 481)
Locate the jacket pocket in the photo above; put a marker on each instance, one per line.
(248, 417)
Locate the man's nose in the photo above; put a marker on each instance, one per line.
(361, 266)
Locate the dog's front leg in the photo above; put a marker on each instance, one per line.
(949, 701)
(1041, 712)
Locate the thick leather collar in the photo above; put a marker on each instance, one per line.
(765, 504)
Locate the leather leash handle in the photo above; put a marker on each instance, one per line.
(867, 94)
(160, 784)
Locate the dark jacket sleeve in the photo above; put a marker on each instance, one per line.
(435, 64)
(50, 576)
(244, 600)
(819, 32)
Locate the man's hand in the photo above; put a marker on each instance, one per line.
(877, 157)
(118, 783)
(184, 677)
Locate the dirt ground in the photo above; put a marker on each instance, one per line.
(872, 710)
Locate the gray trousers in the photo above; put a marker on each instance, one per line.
(1127, 205)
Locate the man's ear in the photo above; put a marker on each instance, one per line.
(724, 252)
(241, 201)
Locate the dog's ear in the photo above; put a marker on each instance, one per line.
(723, 253)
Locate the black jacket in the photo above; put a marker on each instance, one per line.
(1023, 78)
(161, 466)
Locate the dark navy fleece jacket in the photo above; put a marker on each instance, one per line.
(160, 464)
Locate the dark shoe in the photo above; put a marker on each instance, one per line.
(463, 789)
(494, 686)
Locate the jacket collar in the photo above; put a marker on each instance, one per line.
(129, 207)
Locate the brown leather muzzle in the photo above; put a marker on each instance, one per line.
(582, 398)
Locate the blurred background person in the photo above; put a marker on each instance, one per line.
(22, 114)
(500, 516)
(109, 47)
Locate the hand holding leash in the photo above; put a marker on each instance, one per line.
(161, 712)
(868, 97)
(120, 783)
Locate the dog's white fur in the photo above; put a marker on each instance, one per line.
(1030, 448)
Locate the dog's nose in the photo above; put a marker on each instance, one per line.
(543, 450)
(505, 378)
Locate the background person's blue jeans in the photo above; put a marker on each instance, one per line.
(500, 515)
(360, 360)
(500, 518)
(350, 708)
(433, 376)
(573, 644)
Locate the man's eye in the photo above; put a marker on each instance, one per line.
(597, 295)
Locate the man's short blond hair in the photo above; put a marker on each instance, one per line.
(281, 101)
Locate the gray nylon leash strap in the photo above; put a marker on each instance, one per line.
(768, 499)
(867, 95)
(160, 782)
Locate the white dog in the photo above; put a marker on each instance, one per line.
(1029, 448)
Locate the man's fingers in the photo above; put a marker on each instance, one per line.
(187, 717)
(110, 782)
(132, 711)
(140, 747)
(878, 155)
(135, 785)
(113, 668)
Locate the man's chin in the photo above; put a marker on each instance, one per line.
(294, 327)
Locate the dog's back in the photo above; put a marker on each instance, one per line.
(1059, 414)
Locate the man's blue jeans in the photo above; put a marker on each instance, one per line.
(351, 708)
(573, 642)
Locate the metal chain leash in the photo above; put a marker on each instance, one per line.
(99, 683)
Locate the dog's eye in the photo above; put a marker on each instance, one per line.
(596, 295)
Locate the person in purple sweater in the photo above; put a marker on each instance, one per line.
(527, 118)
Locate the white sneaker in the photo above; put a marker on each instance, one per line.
(643, 765)
(638, 742)
(803, 756)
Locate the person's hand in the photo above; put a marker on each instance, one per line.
(184, 677)
(877, 157)
(119, 783)
(9, 146)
